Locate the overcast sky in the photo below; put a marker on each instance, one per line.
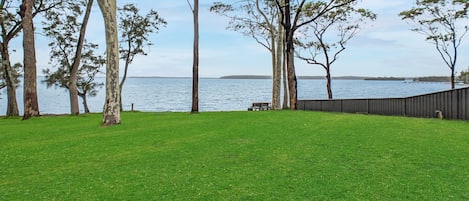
(385, 47)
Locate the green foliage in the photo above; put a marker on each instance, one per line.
(11, 21)
(64, 30)
(135, 30)
(221, 8)
(234, 156)
(15, 73)
(331, 31)
(10, 27)
(437, 19)
(246, 19)
(325, 38)
(440, 22)
(464, 76)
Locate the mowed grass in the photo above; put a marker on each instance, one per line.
(234, 156)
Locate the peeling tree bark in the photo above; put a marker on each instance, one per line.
(111, 111)
(31, 106)
(277, 87)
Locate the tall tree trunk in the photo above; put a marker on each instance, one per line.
(279, 62)
(72, 86)
(128, 60)
(285, 83)
(195, 67)
(290, 51)
(276, 77)
(31, 105)
(284, 66)
(12, 107)
(453, 78)
(121, 85)
(292, 80)
(111, 111)
(85, 102)
(276, 68)
(329, 83)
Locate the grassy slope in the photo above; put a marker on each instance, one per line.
(234, 156)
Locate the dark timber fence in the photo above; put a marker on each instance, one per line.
(453, 104)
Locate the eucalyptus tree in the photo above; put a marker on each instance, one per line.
(293, 21)
(111, 111)
(258, 19)
(444, 24)
(10, 26)
(86, 84)
(326, 38)
(195, 66)
(72, 57)
(31, 104)
(135, 30)
(69, 48)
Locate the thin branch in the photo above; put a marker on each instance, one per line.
(282, 12)
(325, 10)
(190, 5)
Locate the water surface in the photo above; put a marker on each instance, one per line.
(174, 94)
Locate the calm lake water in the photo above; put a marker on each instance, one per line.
(174, 94)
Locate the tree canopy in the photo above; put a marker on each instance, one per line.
(323, 40)
(135, 30)
(442, 24)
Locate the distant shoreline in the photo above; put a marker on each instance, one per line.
(366, 78)
(299, 77)
(386, 79)
(313, 77)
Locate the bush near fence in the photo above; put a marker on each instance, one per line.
(452, 104)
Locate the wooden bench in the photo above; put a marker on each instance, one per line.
(259, 106)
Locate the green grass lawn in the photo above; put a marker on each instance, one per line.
(234, 156)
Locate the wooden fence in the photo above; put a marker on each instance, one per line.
(452, 104)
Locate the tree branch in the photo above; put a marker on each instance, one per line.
(190, 5)
(325, 10)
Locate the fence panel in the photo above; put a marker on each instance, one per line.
(355, 106)
(454, 104)
(394, 107)
(463, 104)
(332, 106)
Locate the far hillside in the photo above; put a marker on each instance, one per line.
(433, 79)
(415, 79)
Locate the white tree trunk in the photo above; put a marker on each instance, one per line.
(111, 111)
